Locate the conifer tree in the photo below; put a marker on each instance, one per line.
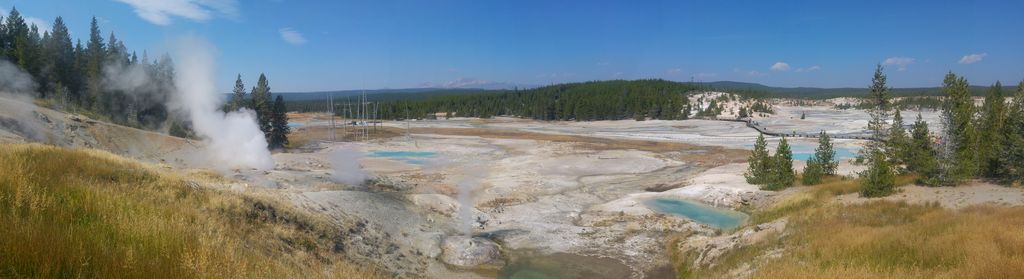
(1012, 152)
(759, 162)
(878, 180)
(781, 174)
(958, 159)
(826, 155)
(237, 95)
(991, 131)
(279, 134)
(813, 172)
(896, 145)
(261, 103)
(879, 102)
(921, 150)
(96, 51)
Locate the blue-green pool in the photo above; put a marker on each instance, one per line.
(698, 212)
(411, 157)
(841, 153)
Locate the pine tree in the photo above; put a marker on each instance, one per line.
(1011, 153)
(921, 151)
(758, 163)
(279, 134)
(991, 131)
(781, 174)
(826, 155)
(238, 95)
(896, 145)
(262, 105)
(813, 172)
(879, 102)
(959, 138)
(878, 180)
(62, 54)
(96, 51)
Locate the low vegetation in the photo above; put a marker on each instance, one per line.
(878, 239)
(84, 213)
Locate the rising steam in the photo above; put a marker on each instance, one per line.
(346, 167)
(233, 140)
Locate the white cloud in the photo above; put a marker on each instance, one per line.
(292, 37)
(780, 66)
(703, 76)
(808, 69)
(971, 58)
(756, 74)
(162, 12)
(900, 62)
(673, 71)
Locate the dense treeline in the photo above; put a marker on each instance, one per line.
(597, 100)
(100, 77)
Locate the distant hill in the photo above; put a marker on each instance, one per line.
(744, 88)
(376, 93)
(815, 92)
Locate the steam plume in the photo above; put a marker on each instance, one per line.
(233, 140)
(346, 167)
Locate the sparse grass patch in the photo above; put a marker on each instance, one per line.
(84, 213)
(878, 239)
(885, 239)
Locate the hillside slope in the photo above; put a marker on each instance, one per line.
(87, 213)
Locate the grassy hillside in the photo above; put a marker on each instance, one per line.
(84, 213)
(880, 239)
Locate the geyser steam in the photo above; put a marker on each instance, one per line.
(233, 140)
(346, 167)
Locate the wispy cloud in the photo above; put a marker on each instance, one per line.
(972, 58)
(292, 37)
(756, 74)
(673, 71)
(703, 76)
(808, 69)
(162, 12)
(780, 66)
(900, 62)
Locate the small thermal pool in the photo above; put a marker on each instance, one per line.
(841, 153)
(698, 212)
(295, 124)
(410, 157)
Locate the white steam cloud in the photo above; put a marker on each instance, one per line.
(346, 167)
(19, 114)
(14, 80)
(233, 140)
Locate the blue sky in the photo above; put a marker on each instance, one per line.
(326, 45)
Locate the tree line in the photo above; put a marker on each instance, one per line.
(100, 77)
(585, 101)
(103, 79)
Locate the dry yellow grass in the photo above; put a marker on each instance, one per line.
(880, 239)
(84, 213)
(899, 240)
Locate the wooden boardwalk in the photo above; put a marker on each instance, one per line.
(764, 130)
